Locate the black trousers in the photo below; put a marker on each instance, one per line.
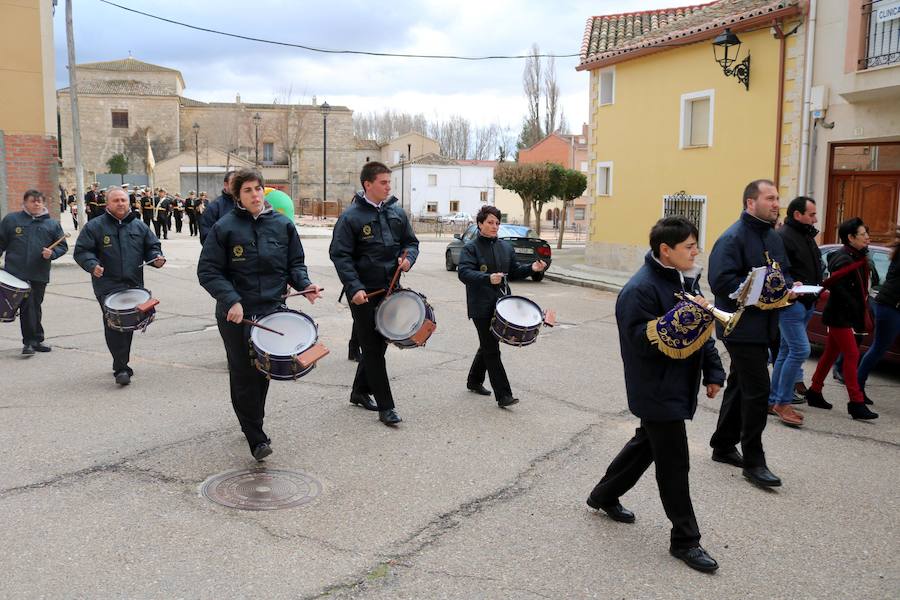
(248, 386)
(119, 344)
(663, 443)
(192, 223)
(178, 219)
(371, 373)
(30, 314)
(148, 220)
(161, 225)
(487, 360)
(742, 417)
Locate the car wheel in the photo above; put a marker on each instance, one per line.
(449, 262)
(537, 276)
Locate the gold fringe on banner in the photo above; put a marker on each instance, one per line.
(677, 337)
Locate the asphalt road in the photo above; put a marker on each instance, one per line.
(99, 485)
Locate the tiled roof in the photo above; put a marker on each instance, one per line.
(121, 87)
(607, 36)
(191, 102)
(367, 144)
(126, 64)
(249, 106)
(433, 159)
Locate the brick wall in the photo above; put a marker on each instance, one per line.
(29, 161)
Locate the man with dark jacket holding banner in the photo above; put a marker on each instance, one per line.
(666, 345)
(749, 243)
(26, 237)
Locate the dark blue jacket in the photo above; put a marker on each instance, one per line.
(368, 241)
(217, 209)
(120, 247)
(252, 261)
(23, 237)
(740, 248)
(479, 258)
(660, 388)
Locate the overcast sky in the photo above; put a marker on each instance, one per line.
(215, 67)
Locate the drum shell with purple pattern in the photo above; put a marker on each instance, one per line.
(12, 291)
(276, 356)
(517, 321)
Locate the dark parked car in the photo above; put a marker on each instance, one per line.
(527, 245)
(816, 330)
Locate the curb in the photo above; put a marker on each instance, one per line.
(603, 286)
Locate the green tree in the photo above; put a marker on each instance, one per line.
(118, 164)
(526, 180)
(574, 184)
(552, 187)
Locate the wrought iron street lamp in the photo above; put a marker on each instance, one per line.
(256, 120)
(726, 48)
(196, 129)
(325, 108)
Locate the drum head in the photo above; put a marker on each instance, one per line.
(10, 280)
(126, 299)
(519, 311)
(400, 315)
(299, 333)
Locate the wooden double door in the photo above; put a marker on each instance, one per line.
(872, 196)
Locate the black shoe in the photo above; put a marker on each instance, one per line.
(363, 400)
(729, 457)
(27, 350)
(867, 400)
(762, 476)
(505, 401)
(261, 451)
(696, 558)
(837, 376)
(616, 511)
(123, 378)
(817, 400)
(479, 389)
(40, 347)
(389, 417)
(858, 410)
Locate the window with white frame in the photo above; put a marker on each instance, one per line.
(689, 206)
(607, 86)
(268, 152)
(431, 207)
(579, 213)
(483, 196)
(604, 178)
(697, 119)
(396, 156)
(454, 206)
(432, 180)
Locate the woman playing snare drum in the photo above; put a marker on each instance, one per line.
(484, 263)
(248, 259)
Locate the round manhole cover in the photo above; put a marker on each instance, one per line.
(261, 489)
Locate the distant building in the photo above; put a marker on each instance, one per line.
(28, 144)
(433, 185)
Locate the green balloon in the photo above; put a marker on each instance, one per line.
(281, 202)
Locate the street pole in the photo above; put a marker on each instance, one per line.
(196, 129)
(325, 108)
(402, 179)
(76, 122)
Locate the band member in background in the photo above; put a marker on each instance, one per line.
(178, 212)
(91, 200)
(190, 209)
(147, 207)
(218, 208)
(750, 242)
(113, 249)
(366, 249)
(161, 206)
(846, 313)
(249, 258)
(26, 237)
(73, 210)
(484, 263)
(662, 378)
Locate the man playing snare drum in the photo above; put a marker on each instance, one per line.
(113, 249)
(366, 249)
(25, 237)
(484, 263)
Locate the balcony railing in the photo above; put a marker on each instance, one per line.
(882, 33)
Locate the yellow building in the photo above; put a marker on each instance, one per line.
(28, 147)
(671, 133)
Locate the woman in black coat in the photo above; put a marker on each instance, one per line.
(845, 314)
(483, 264)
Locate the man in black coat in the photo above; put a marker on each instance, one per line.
(218, 208)
(161, 209)
(750, 242)
(484, 262)
(147, 207)
(662, 379)
(113, 249)
(92, 201)
(366, 249)
(25, 237)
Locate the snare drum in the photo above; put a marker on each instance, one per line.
(12, 291)
(288, 356)
(405, 319)
(517, 320)
(129, 309)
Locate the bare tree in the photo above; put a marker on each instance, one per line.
(385, 126)
(486, 142)
(531, 85)
(453, 135)
(551, 97)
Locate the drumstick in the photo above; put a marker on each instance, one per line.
(57, 242)
(292, 294)
(255, 324)
(142, 265)
(375, 293)
(390, 289)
